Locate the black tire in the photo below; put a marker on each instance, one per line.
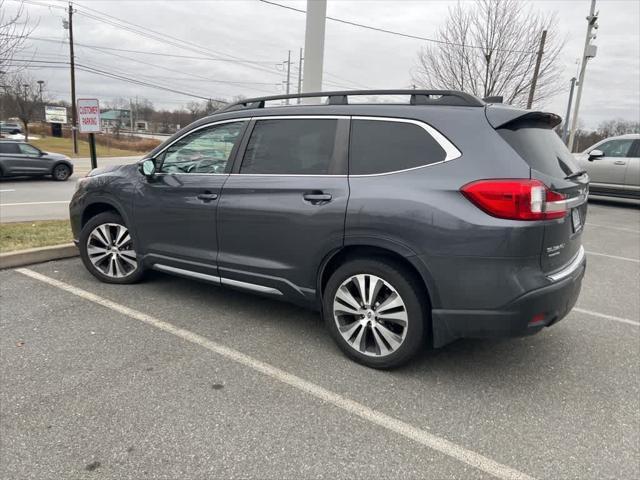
(410, 290)
(61, 172)
(112, 218)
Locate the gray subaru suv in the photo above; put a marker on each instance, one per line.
(403, 223)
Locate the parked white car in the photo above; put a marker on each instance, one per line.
(613, 165)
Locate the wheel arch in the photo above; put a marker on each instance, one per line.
(99, 206)
(394, 253)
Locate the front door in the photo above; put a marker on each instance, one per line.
(611, 168)
(175, 210)
(284, 208)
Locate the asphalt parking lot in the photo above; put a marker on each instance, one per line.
(172, 378)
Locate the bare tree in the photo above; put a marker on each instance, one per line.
(24, 101)
(15, 28)
(619, 126)
(488, 48)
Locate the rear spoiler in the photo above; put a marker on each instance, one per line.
(503, 116)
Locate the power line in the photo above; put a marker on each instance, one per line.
(142, 52)
(392, 32)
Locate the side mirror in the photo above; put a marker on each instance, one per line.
(147, 167)
(593, 154)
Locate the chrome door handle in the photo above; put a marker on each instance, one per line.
(619, 162)
(207, 197)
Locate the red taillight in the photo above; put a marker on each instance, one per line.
(516, 199)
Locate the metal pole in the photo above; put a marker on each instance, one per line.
(74, 112)
(536, 70)
(92, 150)
(300, 73)
(566, 118)
(288, 74)
(314, 45)
(574, 121)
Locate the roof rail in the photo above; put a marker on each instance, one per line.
(417, 97)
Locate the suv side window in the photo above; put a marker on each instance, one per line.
(9, 148)
(28, 149)
(616, 148)
(204, 151)
(290, 146)
(379, 146)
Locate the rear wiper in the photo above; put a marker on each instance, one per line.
(577, 174)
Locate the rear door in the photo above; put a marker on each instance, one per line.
(283, 209)
(610, 169)
(11, 159)
(551, 163)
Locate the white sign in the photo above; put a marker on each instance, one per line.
(88, 115)
(55, 114)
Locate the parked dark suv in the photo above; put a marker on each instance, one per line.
(437, 219)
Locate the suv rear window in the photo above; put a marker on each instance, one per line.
(379, 146)
(541, 148)
(290, 146)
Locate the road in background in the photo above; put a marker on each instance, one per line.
(27, 199)
(92, 389)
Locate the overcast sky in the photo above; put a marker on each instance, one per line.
(354, 57)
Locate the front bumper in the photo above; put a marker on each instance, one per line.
(526, 315)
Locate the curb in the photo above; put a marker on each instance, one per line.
(37, 255)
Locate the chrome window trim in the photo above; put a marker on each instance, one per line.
(451, 151)
(570, 268)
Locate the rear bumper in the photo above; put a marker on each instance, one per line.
(526, 315)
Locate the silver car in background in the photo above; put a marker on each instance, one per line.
(613, 165)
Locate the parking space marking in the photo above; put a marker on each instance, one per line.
(32, 203)
(418, 435)
(608, 317)
(610, 227)
(616, 257)
(8, 190)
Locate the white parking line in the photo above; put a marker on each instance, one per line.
(616, 257)
(608, 317)
(8, 190)
(376, 417)
(610, 227)
(32, 203)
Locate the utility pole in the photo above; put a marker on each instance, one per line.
(536, 70)
(589, 52)
(288, 74)
(74, 111)
(566, 118)
(314, 45)
(300, 74)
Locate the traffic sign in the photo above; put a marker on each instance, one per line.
(88, 115)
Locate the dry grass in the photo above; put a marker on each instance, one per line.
(65, 146)
(107, 145)
(22, 235)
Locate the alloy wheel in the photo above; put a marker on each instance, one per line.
(370, 315)
(110, 250)
(61, 172)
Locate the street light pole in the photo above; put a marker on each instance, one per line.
(589, 52)
(566, 118)
(314, 45)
